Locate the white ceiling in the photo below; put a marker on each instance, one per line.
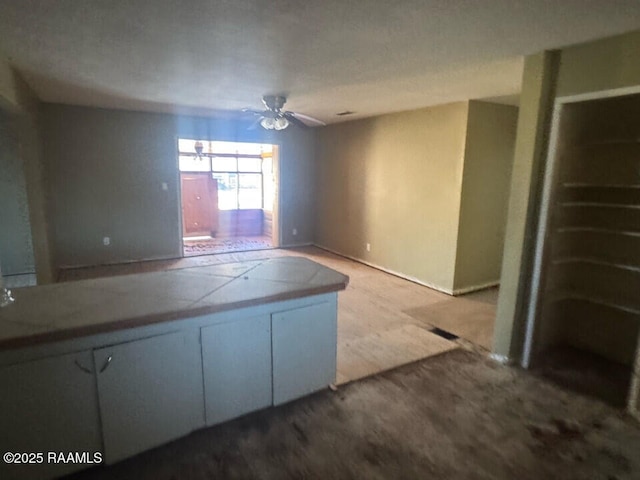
(368, 56)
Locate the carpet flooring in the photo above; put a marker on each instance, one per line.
(225, 245)
(454, 416)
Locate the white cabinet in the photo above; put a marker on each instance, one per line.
(304, 350)
(48, 405)
(150, 392)
(236, 359)
(131, 390)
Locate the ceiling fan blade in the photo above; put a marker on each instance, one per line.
(292, 118)
(250, 110)
(255, 123)
(309, 121)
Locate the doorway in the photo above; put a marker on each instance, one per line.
(585, 315)
(229, 196)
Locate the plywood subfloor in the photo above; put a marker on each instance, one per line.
(383, 320)
(471, 317)
(387, 349)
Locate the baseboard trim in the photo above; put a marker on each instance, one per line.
(388, 270)
(17, 280)
(475, 288)
(296, 245)
(124, 262)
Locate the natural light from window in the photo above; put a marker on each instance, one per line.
(244, 171)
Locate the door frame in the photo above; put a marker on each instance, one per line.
(276, 212)
(540, 245)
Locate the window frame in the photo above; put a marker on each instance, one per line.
(210, 157)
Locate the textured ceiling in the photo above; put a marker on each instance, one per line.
(328, 56)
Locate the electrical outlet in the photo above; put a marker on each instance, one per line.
(368, 247)
(165, 186)
(295, 231)
(106, 241)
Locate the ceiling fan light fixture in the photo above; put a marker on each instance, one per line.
(281, 123)
(275, 118)
(268, 123)
(198, 147)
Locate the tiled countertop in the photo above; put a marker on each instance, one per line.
(68, 310)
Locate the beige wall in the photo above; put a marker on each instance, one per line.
(394, 181)
(605, 64)
(106, 167)
(491, 132)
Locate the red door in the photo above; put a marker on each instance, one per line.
(199, 204)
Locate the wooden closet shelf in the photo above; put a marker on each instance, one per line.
(569, 295)
(599, 205)
(596, 261)
(631, 186)
(607, 231)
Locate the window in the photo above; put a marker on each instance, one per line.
(239, 168)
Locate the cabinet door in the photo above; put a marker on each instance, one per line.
(304, 350)
(48, 405)
(236, 359)
(150, 392)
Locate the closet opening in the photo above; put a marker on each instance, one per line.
(586, 314)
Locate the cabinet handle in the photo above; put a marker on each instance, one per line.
(106, 363)
(84, 369)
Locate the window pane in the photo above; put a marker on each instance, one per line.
(224, 164)
(250, 190)
(193, 164)
(224, 147)
(249, 148)
(227, 190)
(187, 145)
(249, 164)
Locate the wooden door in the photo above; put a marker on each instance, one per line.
(199, 204)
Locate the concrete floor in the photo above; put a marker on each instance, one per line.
(455, 416)
(383, 321)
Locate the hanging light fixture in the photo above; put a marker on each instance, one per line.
(281, 123)
(275, 118)
(276, 121)
(268, 123)
(199, 148)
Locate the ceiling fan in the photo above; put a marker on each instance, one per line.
(274, 118)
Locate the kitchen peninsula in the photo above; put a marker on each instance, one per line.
(122, 364)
